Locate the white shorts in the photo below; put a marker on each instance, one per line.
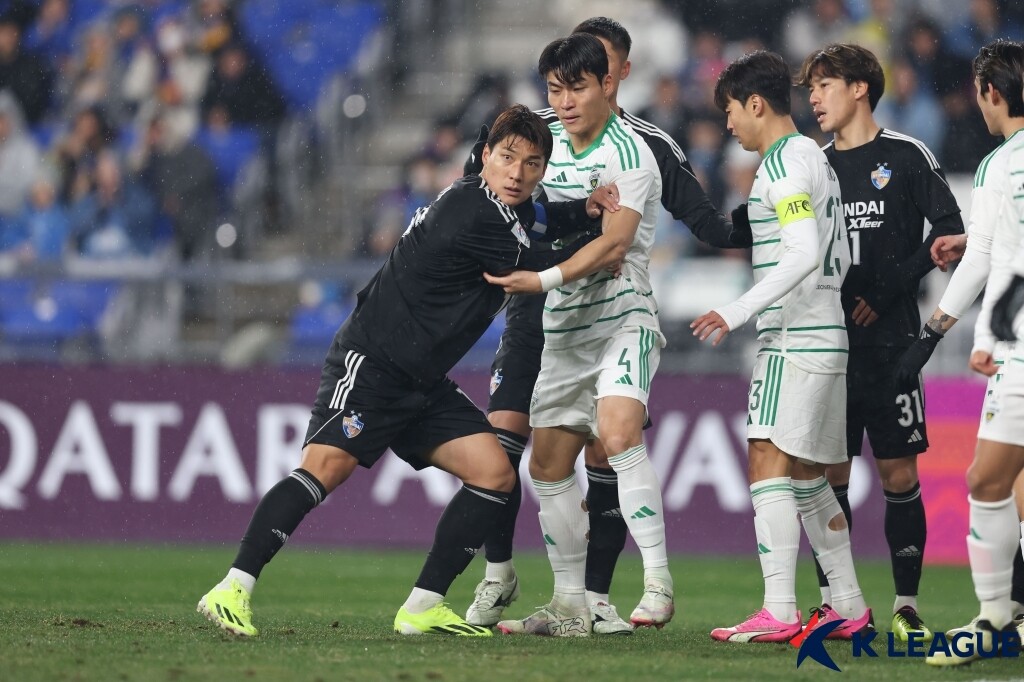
(802, 414)
(1002, 413)
(571, 380)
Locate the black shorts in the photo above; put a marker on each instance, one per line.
(517, 362)
(365, 406)
(892, 416)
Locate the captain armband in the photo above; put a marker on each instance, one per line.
(794, 208)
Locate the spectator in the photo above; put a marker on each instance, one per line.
(937, 69)
(908, 106)
(44, 223)
(23, 72)
(243, 89)
(77, 151)
(115, 219)
(170, 80)
(19, 159)
(667, 111)
(810, 26)
(985, 23)
(184, 181)
(51, 34)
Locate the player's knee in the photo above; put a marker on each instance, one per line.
(985, 487)
(502, 479)
(618, 442)
(899, 480)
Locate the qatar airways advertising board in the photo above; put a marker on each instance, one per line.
(184, 454)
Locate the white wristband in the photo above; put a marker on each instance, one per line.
(550, 278)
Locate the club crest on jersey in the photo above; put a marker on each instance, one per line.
(520, 234)
(595, 177)
(496, 380)
(352, 425)
(880, 176)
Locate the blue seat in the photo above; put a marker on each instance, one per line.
(229, 151)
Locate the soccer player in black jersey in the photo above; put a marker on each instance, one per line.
(384, 380)
(517, 363)
(890, 184)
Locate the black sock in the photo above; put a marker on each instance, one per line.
(498, 545)
(1017, 591)
(276, 517)
(460, 532)
(842, 493)
(906, 531)
(607, 528)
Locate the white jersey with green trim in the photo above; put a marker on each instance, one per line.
(1007, 248)
(592, 307)
(807, 324)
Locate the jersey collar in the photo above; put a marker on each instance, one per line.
(597, 140)
(779, 141)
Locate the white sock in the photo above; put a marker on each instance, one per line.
(565, 526)
(595, 597)
(904, 601)
(247, 581)
(817, 505)
(420, 600)
(504, 571)
(642, 509)
(826, 595)
(991, 544)
(778, 540)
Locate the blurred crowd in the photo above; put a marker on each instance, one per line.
(128, 129)
(680, 47)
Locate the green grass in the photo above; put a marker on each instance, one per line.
(98, 612)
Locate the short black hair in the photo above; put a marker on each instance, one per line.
(519, 121)
(1001, 64)
(756, 73)
(570, 57)
(852, 63)
(609, 29)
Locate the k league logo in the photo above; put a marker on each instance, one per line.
(811, 644)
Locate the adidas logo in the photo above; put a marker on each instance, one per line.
(548, 540)
(908, 551)
(283, 537)
(470, 551)
(761, 549)
(643, 513)
(915, 437)
(561, 177)
(624, 380)
(613, 513)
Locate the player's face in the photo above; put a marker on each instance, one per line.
(984, 97)
(512, 169)
(833, 102)
(742, 123)
(582, 107)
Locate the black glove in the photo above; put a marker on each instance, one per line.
(741, 236)
(909, 365)
(475, 163)
(1006, 309)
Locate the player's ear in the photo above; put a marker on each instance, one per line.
(626, 66)
(485, 154)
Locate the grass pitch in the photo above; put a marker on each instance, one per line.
(100, 612)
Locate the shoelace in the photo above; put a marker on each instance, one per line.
(911, 618)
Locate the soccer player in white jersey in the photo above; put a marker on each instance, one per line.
(602, 343)
(993, 247)
(796, 416)
(998, 77)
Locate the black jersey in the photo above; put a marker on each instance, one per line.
(890, 186)
(681, 193)
(429, 303)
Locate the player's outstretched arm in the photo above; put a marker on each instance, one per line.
(606, 251)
